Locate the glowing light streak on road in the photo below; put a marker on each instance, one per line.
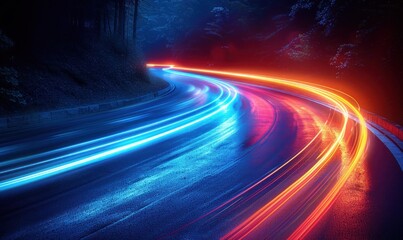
(345, 107)
(123, 145)
(154, 126)
(326, 203)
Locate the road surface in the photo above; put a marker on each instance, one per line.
(221, 156)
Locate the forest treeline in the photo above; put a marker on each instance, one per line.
(348, 40)
(39, 25)
(65, 53)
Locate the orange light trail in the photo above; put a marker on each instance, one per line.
(160, 65)
(325, 95)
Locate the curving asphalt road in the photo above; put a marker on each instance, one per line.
(222, 156)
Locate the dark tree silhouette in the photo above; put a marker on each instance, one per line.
(45, 23)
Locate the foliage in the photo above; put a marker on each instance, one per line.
(5, 42)
(9, 92)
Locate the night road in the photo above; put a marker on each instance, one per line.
(222, 155)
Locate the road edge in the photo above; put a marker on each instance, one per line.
(38, 117)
